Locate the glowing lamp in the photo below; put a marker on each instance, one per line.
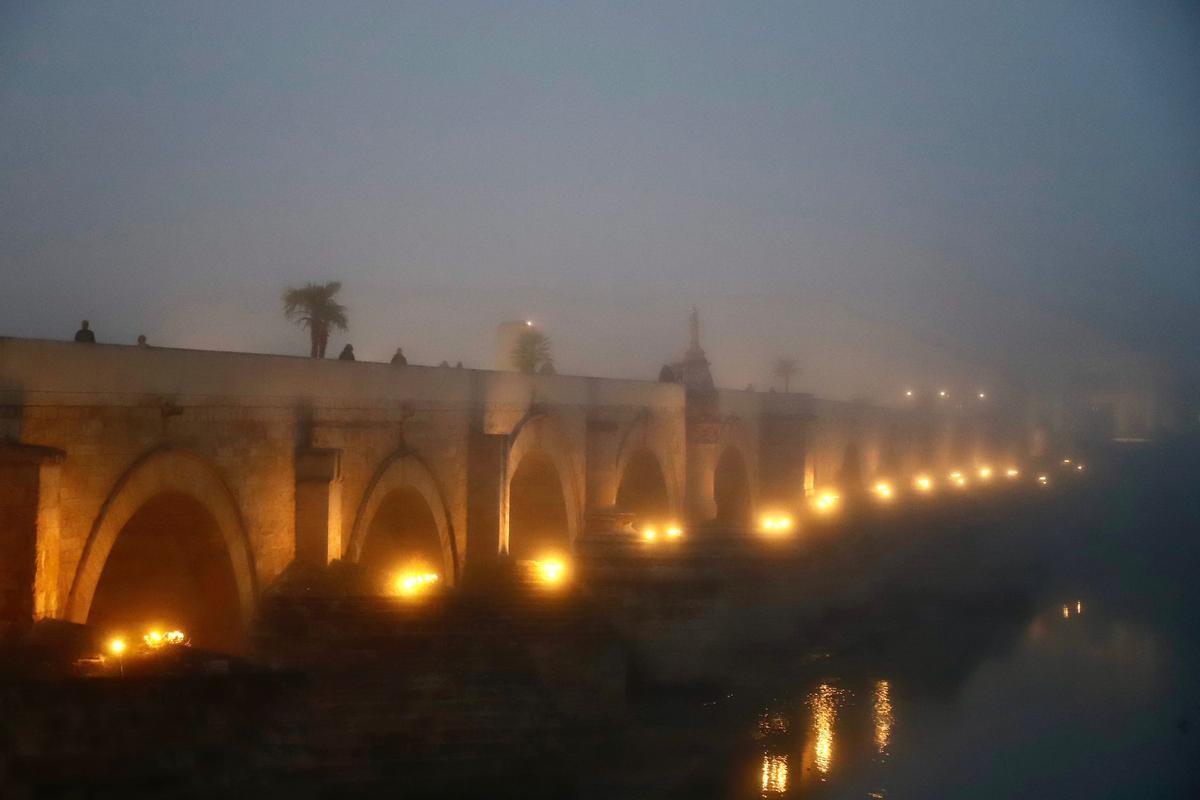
(116, 646)
(155, 639)
(775, 523)
(826, 502)
(958, 479)
(1043, 479)
(923, 483)
(883, 490)
(551, 571)
(1011, 472)
(674, 532)
(1066, 461)
(985, 473)
(415, 584)
(649, 533)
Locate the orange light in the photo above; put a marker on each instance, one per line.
(923, 483)
(826, 502)
(1011, 472)
(414, 583)
(116, 646)
(1043, 479)
(883, 490)
(674, 532)
(985, 473)
(650, 533)
(775, 523)
(551, 571)
(155, 639)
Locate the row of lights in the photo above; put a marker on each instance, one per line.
(826, 502)
(551, 570)
(944, 394)
(670, 532)
(152, 640)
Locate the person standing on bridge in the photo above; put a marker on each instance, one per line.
(347, 353)
(398, 359)
(84, 334)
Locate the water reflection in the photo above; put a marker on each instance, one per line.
(771, 723)
(774, 774)
(824, 703)
(884, 716)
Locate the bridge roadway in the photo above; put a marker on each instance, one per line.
(123, 466)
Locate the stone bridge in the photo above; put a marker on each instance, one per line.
(128, 472)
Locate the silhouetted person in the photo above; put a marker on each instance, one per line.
(84, 334)
(398, 359)
(142, 340)
(666, 374)
(347, 353)
(458, 365)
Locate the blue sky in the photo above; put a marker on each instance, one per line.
(960, 178)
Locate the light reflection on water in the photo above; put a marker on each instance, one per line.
(824, 703)
(774, 774)
(1069, 678)
(884, 716)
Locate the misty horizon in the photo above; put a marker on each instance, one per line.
(943, 194)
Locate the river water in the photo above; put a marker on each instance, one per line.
(1082, 684)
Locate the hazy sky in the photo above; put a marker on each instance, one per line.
(885, 189)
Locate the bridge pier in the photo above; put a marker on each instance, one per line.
(487, 507)
(318, 506)
(29, 532)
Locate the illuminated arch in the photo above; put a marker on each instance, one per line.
(541, 434)
(639, 441)
(159, 473)
(734, 440)
(403, 470)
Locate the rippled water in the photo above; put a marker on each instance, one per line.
(1083, 683)
(1091, 692)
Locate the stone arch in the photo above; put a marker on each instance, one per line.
(540, 437)
(643, 489)
(734, 451)
(640, 450)
(159, 473)
(400, 471)
(731, 487)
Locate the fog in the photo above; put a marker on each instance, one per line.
(947, 192)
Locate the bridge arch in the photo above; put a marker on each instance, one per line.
(404, 500)
(642, 490)
(731, 488)
(646, 484)
(541, 490)
(733, 475)
(165, 494)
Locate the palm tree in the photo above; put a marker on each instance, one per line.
(314, 306)
(532, 353)
(785, 368)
